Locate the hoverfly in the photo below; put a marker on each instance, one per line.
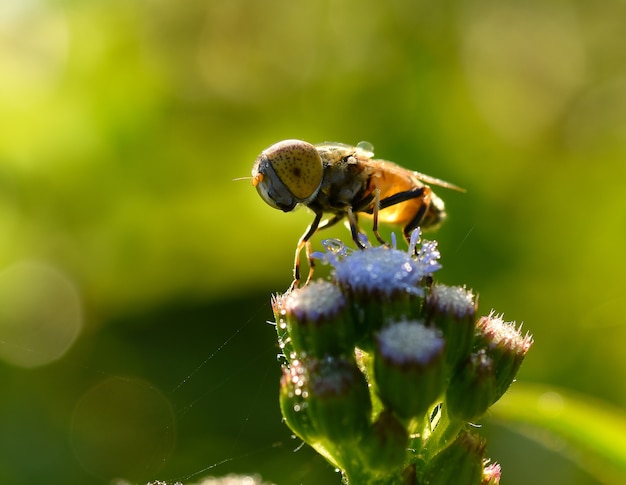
(343, 180)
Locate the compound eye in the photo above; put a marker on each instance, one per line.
(299, 167)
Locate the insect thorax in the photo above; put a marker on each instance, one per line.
(344, 185)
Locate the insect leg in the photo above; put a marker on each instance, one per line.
(419, 216)
(354, 228)
(404, 196)
(375, 210)
(422, 192)
(417, 219)
(330, 222)
(304, 242)
(327, 223)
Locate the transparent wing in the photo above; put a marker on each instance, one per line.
(435, 181)
(362, 148)
(365, 149)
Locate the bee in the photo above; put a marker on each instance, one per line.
(343, 180)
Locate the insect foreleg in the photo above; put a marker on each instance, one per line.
(324, 225)
(304, 242)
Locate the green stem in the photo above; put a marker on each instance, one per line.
(362, 476)
(444, 433)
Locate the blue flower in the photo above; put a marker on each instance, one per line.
(384, 270)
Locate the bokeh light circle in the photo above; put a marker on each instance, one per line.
(40, 315)
(123, 428)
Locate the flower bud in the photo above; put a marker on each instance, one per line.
(317, 320)
(472, 388)
(383, 283)
(284, 340)
(409, 367)
(461, 463)
(384, 445)
(453, 310)
(491, 474)
(383, 340)
(293, 398)
(506, 347)
(338, 399)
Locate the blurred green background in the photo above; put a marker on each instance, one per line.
(135, 274)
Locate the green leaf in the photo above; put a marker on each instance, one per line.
(595, 431)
